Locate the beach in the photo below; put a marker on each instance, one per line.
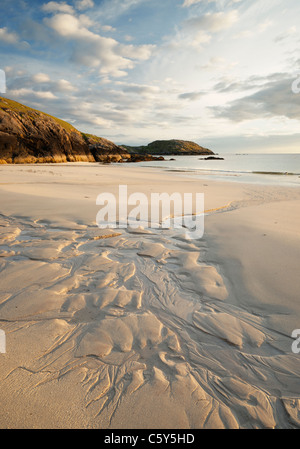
(144, 329)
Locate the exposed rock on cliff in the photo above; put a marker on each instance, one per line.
(31, 136)
(144, 157)
(104, 150)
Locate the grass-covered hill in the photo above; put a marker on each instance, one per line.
(170, 147)
(31, 136)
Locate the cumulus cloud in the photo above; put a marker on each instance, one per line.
(29, 93)
(40, 85)
(67, 25)
(63, 85)
(57, 7)
(8, 37)
(190, 70)
(94, 50)
(84, 4)
(107, 28)
(12, 38)
(141, 52)
(41, 78)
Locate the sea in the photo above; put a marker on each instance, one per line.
(278, 169)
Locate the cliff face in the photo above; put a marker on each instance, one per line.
(104, 150)
(170, 147)
(30, 136)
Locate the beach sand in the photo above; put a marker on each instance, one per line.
(120, 329)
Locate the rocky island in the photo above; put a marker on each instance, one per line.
(31, 136)
(170, 148)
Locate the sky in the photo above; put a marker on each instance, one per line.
(222, 73)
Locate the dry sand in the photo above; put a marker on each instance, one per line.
(117, 329)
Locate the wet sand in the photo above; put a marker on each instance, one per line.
(145, 329)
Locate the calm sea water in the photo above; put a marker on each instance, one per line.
(252, 168)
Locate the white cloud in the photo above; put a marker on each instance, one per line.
(200, 38)
(12, 38)
(98, 121)
(67, 25)
(108, 28)
(188, 84)
(86, 21)
(8, 37)
(57, 7)
(128, 38)
(63, 86)
(94, 50)
(84, 4)
(41, 78)
(23, 92)
(141, 52)
(40, 85)
(45, 95)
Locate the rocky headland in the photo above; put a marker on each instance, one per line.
(170, 147)
(31, 136)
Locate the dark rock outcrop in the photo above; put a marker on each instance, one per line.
(213, 158)
(31, 136)
(144, 157)
(104, 150)
(170, 147)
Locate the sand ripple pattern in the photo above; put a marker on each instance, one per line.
(139, 317)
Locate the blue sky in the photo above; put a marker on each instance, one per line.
(218, 72)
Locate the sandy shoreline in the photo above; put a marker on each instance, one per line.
(117, 329)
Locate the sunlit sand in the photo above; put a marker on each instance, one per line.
(142, 328)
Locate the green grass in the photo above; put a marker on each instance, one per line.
(87, 136)
(5, 103)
